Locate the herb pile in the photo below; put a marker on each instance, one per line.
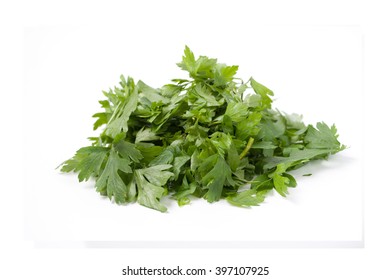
(212, 136)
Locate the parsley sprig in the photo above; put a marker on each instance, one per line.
(207, 136)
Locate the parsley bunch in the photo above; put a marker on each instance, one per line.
(207, 136)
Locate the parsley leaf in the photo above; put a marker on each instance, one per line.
(149, 184)
(324, 137)
(87, 161)
(109, 182)
(216, 178)
(118, 121)
(247, 198)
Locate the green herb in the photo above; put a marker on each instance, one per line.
(207, 136)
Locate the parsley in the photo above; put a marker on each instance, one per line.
(207, 136)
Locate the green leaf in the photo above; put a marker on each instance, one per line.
(254, 101)
(184, 191)
(149, 183)
(153, 95)
(281, 179)
(110, 182)
(247, 198)
(132, 192)
(281, 183)
(250, 126)
(145, 135)
(221, 142)
(178, 164)
(202, 68)
(149, 151)
(297, 157)
(272, 127)
(201, 96)
(227, 125)
(215, 179)
(237, 111)
(233, 158)
(102, 119)
(324, 137)
(87, 161)
(128, 150)
(224, 74)
(263, 145)
(264, 93)
(119, 119)
(188, 61)
(262, 183)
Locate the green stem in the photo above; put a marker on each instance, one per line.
(247, 148)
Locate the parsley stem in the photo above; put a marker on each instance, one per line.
(247, 148)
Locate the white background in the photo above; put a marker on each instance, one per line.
(23, 260)
(316, 71)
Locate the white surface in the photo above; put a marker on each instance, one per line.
(24, 261)
(313, 71)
